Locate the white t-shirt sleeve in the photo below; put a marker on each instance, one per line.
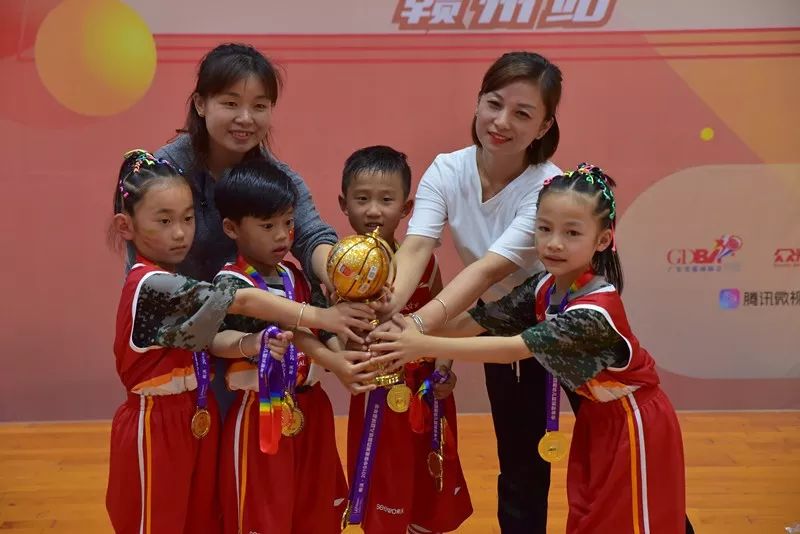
(516, 243)
(430, 205)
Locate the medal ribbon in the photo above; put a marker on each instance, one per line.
(290, 363)
(436, 435)
(201, 373)
(359, 489)
(270, 390)
(553, 399)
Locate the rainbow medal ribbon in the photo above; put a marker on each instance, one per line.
(270, 382)
(554, 445)
(270, 387)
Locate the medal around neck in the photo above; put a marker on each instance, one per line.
(399, 398)
(554, 446)
(201, 423)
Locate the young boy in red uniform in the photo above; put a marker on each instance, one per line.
(301, 488)
(403, 493)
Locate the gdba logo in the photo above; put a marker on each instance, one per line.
(704, 259)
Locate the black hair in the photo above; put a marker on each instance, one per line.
(591, 181)
(256, 188)
(377, 158)
(534, 68)
(139, 172)
(222, 67)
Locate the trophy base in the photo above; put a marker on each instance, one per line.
(390, 379)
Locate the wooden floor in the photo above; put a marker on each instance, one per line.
(743, 474)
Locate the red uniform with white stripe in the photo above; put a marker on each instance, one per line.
(626, 469)
(162, 480)
(402, 494)
(302, 488)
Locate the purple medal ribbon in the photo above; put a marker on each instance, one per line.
(436, 436)
(359, 490)
(290, 362)
(553, 393)
(269, 382)
(201, 373)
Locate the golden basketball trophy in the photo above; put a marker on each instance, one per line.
(359, 266)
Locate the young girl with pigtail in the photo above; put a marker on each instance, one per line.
(165, 436)
(626, 470)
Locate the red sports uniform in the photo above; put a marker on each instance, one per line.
(162, 480)
(402, 493)
(626, 468)
(302, 488)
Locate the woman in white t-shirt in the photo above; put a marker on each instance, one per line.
(487, 194)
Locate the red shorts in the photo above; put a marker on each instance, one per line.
(626, 472)
(402, 493)
(300, 489)
(157, 461)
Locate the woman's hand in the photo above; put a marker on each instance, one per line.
(391, 326)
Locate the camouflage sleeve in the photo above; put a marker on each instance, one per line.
(576, 346)
(175, 311)
(241, 323)
(513, 313)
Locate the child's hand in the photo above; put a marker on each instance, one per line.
(278, 345)
(355, 345)
(383, 306)
(445, 389)
(397, 348)
(353, 369)
(346, 316)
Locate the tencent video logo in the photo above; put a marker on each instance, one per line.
(706, 259)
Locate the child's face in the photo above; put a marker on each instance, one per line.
(568, 233)
(162, 226)
(263, 242)
(376, 199)
(238, 118)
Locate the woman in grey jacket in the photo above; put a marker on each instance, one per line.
(228, 121)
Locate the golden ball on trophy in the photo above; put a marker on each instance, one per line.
(360, 265)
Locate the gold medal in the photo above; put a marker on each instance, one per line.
(553, 446)
(201, 423)
(350, 528)
(399, 398)
(292, 421)
(435, 464)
